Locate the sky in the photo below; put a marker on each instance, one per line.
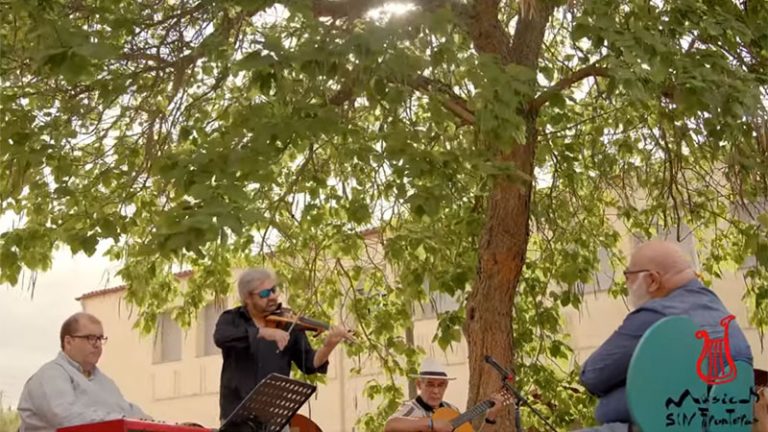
(29, 325)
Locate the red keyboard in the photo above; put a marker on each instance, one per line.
(123, 425)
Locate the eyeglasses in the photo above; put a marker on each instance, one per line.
(92, 339)
(266, 292)
(631, 272)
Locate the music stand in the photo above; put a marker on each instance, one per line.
(269, 406)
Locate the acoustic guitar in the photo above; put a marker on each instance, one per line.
(299, 423)
(461, 421)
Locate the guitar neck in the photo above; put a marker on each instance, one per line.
(471, 413)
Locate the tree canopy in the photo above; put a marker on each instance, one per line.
(490, 143)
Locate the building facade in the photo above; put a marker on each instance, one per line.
(174, 374)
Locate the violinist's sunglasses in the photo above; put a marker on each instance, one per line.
(267, 292)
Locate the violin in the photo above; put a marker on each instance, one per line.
(285, 316)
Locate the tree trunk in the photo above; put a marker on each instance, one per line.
(504, 242)
(412, 391)
(488, 328)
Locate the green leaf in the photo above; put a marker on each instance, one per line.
(557, 101)
(255, 61)
(763, 219)
(97, 50)
(320, 153)
(761, 253)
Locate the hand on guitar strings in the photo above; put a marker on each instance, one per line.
(500, 400)
(498, 403)
(442, 426)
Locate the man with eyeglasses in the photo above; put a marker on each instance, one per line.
(661, 283)
(251, 350)
(71, 390)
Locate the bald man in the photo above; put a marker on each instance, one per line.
(661, 283)
(71, 389)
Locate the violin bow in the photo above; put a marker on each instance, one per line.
(296, 316)
(293, 324)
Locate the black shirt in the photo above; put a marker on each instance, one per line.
(427, 407)
(249, 359)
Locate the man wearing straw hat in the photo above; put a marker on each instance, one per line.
(416, 415)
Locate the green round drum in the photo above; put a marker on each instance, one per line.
(731, 404)
(664, 391)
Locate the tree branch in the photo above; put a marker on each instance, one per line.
(451, 101)
(343, 9)
(591, 70)
(447, 97)
(487, 32)
(353, 9)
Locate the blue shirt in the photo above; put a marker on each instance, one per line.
(604, 374)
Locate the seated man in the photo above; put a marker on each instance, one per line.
(661, 283)
(71, 390)
(415, 415)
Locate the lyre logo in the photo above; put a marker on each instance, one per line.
(715, 364)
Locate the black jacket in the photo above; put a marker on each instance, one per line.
(249, 359)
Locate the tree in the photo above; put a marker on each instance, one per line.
(9, 419)
(489, 141)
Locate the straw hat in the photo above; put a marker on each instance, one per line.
(432, 369)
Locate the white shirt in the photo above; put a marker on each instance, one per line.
(416, 409)
(60, 395)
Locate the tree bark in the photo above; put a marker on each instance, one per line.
(488, 327)
(504, 242)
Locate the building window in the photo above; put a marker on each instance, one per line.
(168, 340)
(748, 212)
(209, 315)
(605, 274)
(437, 302)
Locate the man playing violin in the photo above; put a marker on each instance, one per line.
(416, 415)
(252, 349)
